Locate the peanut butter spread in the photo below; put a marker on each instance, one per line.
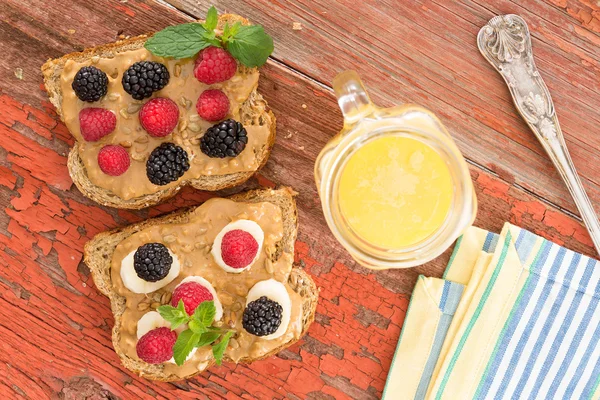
(184, 89)
(191, 242)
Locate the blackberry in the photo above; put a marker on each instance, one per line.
(167, 163)
(225, 139)
(262, 317)
(152, 262)
(90, 84)
(144, 78)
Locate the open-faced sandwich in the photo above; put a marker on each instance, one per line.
(153, 114)
(203, 285)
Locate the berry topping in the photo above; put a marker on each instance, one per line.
(262, 316)
(95, 123)
(144, 78)
(90, 84)
(152, 262)
(192, 294)
(238, 248)
(113, 160)
(159, 116)
(213, 105)
(213, 65)
(225, 139)
(167, 163)
(156, 346)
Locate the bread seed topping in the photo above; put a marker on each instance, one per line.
(184, 89)
(191, 242)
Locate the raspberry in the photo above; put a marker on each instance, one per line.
(213, 65)
(159, 116)
(213, 105)
(95, 123)
(238, 248)
(156, 346)
(192, 294)
(113, 160)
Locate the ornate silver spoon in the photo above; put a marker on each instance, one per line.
(506, 44)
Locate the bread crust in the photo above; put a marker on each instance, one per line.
(254, 111)
(98, 256)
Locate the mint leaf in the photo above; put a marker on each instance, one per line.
(197, 327)
(205, 313)
(186, 341)
(219, 349)
(211, 38)
(250, 45)
(230, 31)
(176, 316)
(208, 338)
(212, 18)
(178, 41)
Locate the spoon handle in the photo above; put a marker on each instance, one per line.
(505, 42)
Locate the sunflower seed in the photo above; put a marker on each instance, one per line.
(166, 297)
(226, 299)
(293, 280)
(133, 108)
(140, 147)
(177, 70)
(142, 139)
(194, 127)
(183, 125)
(269, 266)
(123, 113)
(143, 306)
(139, 156)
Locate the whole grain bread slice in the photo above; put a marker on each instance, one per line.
(98, 257)
(255, 111)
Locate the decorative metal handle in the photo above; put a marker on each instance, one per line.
(506, 44)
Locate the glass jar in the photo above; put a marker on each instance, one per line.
(363, 123)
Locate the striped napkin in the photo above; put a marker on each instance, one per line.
(514, 317)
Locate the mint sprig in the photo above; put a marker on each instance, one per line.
(219, 349)
(249, 44)
(176, 316)
(179, 41)
(200, 331)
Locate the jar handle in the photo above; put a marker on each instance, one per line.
(352, 97)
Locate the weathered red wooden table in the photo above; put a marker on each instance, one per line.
(54, 325)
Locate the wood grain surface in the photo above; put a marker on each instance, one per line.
(55, 326)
